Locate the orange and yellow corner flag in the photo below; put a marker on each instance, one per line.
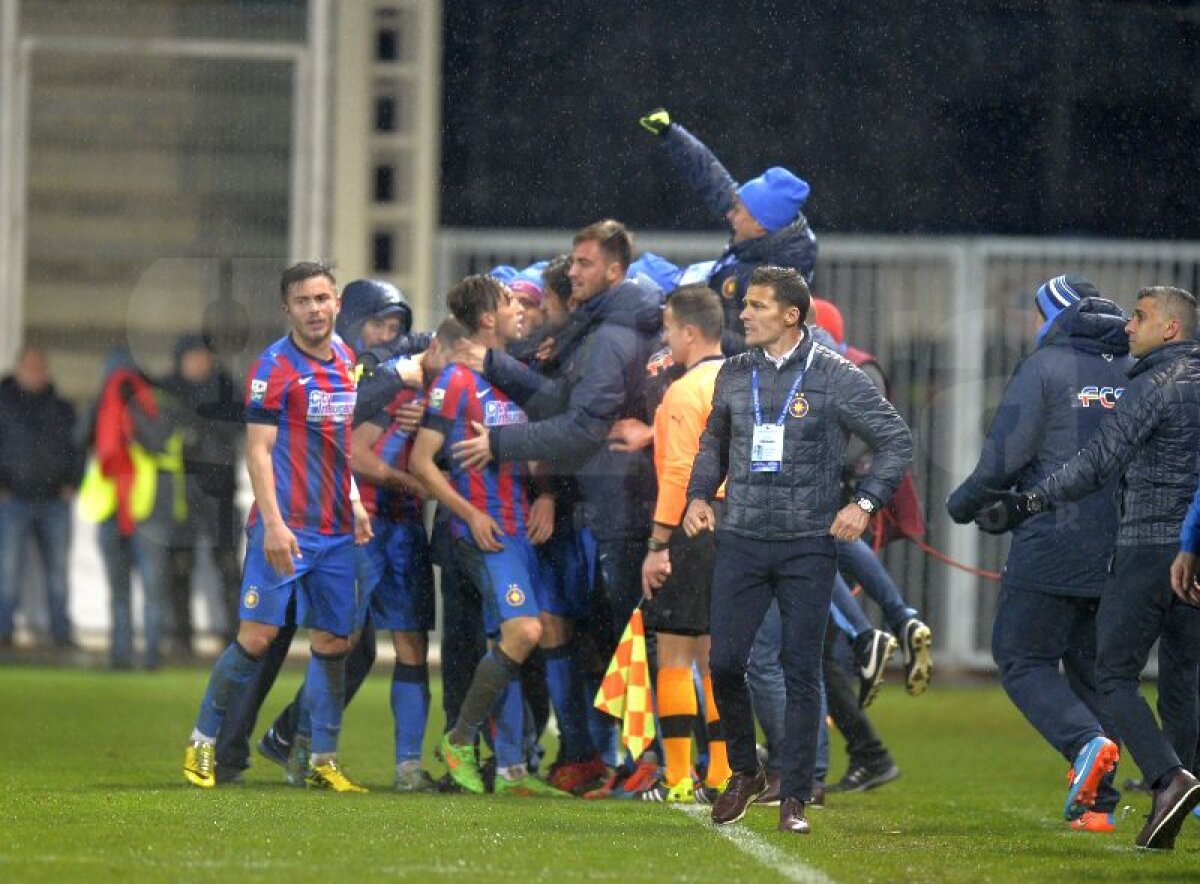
(625, 691)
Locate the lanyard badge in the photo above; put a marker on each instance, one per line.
(766, 444)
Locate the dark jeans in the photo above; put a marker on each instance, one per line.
(463, 643)
(1136, 609)
(1032, 634)
(799, 575)
(48, 522)
(145, 550)
(863, 746)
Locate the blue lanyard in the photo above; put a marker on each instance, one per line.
(791, 393)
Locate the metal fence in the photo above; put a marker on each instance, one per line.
(949, 318)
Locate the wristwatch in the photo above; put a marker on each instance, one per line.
(656, 545)
(1034, 503)
(866, 504)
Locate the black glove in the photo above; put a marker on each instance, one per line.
(960, 506)
(1009, 512)
(656, 122)
(371, 359)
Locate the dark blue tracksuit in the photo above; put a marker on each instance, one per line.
(1058, 562)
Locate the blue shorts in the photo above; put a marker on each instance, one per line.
(397, 575)
(562, 575)
(323, 585)
(507, 580)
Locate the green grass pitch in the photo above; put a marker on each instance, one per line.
(91, 790)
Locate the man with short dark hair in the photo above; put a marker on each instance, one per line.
(1150, 441)
(40, 470)
(781, 418)
(302, 530)
(600, 379)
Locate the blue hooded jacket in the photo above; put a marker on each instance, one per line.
(792, 246)
(601, 379)
(1054, 403)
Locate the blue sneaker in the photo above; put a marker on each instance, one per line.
(1095, 760)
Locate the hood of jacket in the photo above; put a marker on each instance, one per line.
(1095, 325)
(635, 303)
(1164, 354)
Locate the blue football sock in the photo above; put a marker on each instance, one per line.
(410, 709)
(565, 681)
(232, 672)
(324, 695)
(509, 718)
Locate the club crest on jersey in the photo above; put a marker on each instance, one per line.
(1106, 397)
(250, 599)
(502, 414)
(337, 407)
(729, 287)
(258, 390)
(514, 595)
(799, 406)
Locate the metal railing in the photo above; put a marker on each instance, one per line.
(949, 318)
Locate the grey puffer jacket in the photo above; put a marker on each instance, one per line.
(1153, 437)
(835, 400)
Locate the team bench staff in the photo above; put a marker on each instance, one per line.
(782, 415)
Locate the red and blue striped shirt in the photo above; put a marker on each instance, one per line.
(312, 403)
(393, 447)
(458, 397)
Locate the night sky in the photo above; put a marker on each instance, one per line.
(1056, 118)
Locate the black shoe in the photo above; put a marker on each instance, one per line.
(230, 776)
(741, 790)
(862, 778)
(1170, 808)
(446, 785)
(916, 643)
(770, 798)
(872, 650)
(791, 817)
(273, 748)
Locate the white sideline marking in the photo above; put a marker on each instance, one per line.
(759, 850)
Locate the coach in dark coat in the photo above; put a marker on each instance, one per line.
(1058, 562)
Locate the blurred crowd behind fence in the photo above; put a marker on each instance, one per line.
(948, 317)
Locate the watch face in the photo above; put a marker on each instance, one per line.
(1034, 503)
(865, 505)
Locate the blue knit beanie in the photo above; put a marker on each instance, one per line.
(774, 197)
(1061, 293)
(658, 268)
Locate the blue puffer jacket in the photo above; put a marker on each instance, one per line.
(601, 379)
(791, 246)
(1151, 443)
(1055, 402)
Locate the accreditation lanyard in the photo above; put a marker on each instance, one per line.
(766, 445)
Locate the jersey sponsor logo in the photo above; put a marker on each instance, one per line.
(514, 596)
(502, 414)
(335, 407)
(436, 397)
(250, 599)
(1105, 397)
(258, 391)
(799, 406)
